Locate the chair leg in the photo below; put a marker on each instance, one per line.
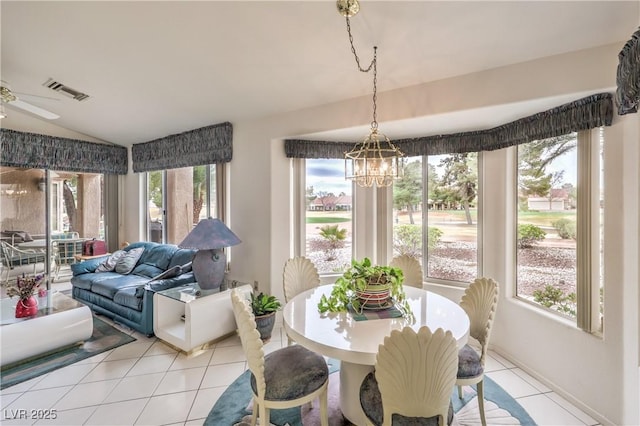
(254, 415)
(481, 402)
(324, 412)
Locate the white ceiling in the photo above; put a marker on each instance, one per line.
(156, 68)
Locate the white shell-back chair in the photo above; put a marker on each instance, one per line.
(479, 301)
(411, 269)
(415, 374)
(288, 377)
(299, 274)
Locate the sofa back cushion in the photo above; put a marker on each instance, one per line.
(183, 257)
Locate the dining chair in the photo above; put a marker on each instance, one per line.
(299, 274)
(479, 301)
(285, 378)
(414, 376)
(411, 269)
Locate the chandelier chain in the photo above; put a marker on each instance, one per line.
(373, 65)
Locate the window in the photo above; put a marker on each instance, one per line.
(328, 215)
(559, 225)
(177, 199)
(447, 224)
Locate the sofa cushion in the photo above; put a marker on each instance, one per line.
(182, 257)
(148, 271)
(158, 255)
(129, 297)
(88, 266)
(110, 263)
(109, 286)
(86, 281)
(127, 262)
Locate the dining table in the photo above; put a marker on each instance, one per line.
(354, 337)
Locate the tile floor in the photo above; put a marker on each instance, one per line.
(148, 383)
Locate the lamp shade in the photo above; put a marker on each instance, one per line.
(209, 237)
(210, 234)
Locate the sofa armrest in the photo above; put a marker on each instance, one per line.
(165, 284)
(88, 266)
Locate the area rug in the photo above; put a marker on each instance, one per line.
(234, 406)
(104, 338)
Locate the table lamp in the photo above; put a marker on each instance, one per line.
(209, 237)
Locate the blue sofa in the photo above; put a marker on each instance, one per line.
(128, 299)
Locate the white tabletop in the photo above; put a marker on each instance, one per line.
(339, 336)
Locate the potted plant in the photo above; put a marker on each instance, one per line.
(365, 285)
(264, 307)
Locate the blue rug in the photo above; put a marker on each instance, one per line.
(233, 406)
(104, 338)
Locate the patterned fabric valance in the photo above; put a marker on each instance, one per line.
(628, 77)
(586, 113)
(31, 150)
(206, 145)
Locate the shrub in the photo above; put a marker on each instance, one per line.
(332, 239)
(528, 235)
(434, 237)
(408, 239)
(566, 228)
(554, 298)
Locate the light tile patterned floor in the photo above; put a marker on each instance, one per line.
(147, 383)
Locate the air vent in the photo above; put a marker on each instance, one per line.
(65, 90)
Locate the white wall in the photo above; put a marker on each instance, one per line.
(602, 375)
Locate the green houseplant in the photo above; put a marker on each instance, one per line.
(264, 308)
(362, 276)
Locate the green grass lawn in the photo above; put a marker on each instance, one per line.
(330, 219)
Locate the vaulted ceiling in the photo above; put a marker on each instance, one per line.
(156, 68)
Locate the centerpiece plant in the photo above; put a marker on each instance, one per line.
(362, 276)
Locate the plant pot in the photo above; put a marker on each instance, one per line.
(264, 324)
(374, 295)
(27, 307)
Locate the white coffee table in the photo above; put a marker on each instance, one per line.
(60, 321)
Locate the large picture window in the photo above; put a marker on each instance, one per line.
(328, 217)
(560, 225)
(177, 199)
(446, 223)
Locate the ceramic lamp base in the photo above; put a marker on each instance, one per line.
(208, 268)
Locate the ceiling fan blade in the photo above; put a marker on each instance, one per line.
(34, 109)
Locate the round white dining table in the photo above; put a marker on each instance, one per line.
(355, 343)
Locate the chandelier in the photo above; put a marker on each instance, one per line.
(375, 160)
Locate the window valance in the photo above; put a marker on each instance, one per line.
(31, 150)
(586, 113)
(628, 76)
(206, 145)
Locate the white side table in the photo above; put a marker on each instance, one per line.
(190, 319)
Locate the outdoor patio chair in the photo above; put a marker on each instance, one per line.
(479, 301)
(65, 252)
(12, 257)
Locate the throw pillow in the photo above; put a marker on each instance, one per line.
(110, 264)
(127, 262)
